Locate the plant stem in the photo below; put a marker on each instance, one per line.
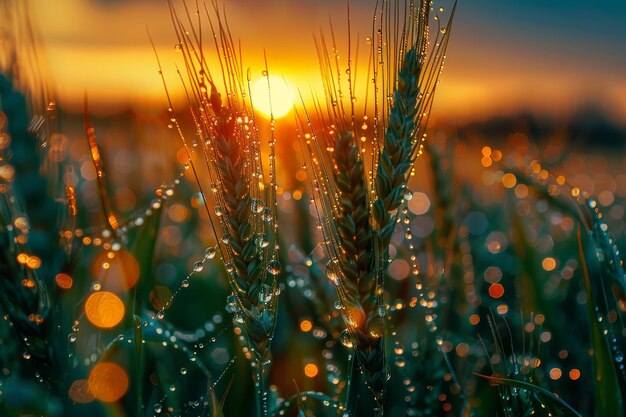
(354, 381)
(260, 390)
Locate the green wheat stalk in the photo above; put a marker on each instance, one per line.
(359, 211)
(243, 210)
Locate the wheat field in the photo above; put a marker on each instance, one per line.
(250, 248)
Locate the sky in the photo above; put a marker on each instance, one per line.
(505, 56)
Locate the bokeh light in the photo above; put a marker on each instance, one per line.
(79, 392)
(419, 204)
(104, 309)
(64, 281)
(574, 374)
(108, 382)
(306, 325)
(555, 373)
(549, 264)
(496, 290)
(311, 370)
(116, 271)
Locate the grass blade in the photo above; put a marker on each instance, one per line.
(142, 248)
(608, 398)
(549, 397)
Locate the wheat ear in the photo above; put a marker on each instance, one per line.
(359, 213)
(243, 208)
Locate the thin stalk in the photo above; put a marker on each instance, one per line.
(352, 395)
(260, 386)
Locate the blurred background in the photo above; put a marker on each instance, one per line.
(546, 77)
(558, 59)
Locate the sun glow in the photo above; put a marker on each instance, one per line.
(277, 98)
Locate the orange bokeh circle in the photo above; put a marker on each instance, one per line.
(79, 392)
(104, 309)
(108, 382)
(116, 271)
(496, 290)
(64, 281)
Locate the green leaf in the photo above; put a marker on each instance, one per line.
(138, 365)
(550, 398)
(378, 212)
(531, 277)
(608, 398)
(298, 399)
(142, 249)
(23, 397)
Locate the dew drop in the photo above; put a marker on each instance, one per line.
(376, 327)
(210, 252)
(257, 206)
(238, 318)
(266, 293)
(231, 303)
(346, 339)
(400, 362)
(332, 271)
(273, 267)
(262, 241)
(198, 266)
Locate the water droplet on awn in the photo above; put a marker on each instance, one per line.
(198, 266)
(210, 252)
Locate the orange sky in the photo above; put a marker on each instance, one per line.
(493, 67)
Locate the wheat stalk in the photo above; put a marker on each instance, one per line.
(243, 214)
(358, 211)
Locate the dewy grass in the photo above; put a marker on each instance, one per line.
(22, 300)
(29, 247)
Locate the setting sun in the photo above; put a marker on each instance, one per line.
(276, 98)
